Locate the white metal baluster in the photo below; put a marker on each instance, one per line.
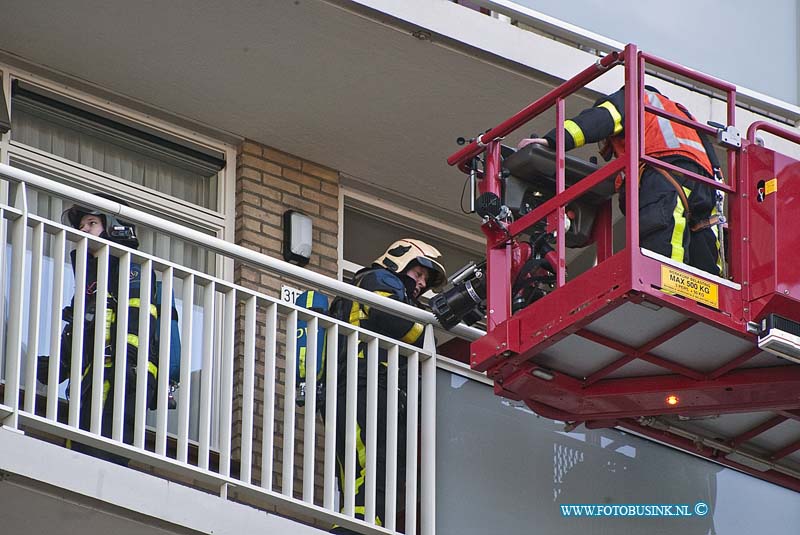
(270, 377)
(78, 318)
(146, 290)
(248, 389)
(309, 427)
(412, 425)
(290, 376)
(184, 391)
(226, 383)
(37, 251)
(121, 347)
(207, 373)
(59, 244)
(371, 431)
(3, 274)
(331, 371)
(19, 230)
(428, 437)
(164, 328)
(391, 438)
(350, 424)
(99, 353)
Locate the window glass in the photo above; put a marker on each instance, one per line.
(366, 238)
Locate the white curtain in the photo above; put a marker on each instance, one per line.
(125, 156)
(119, 153)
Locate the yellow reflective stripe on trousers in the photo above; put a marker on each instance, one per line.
(135, 302)
(615, 115)
(678, 231)
(134, 341)
(361, 455)
(715, 230)
(111, 317)
(575, 131)
(302, 362)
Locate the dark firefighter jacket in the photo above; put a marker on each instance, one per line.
(388, 284)
(90, 306)
(663, 138)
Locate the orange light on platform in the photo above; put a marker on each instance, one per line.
(672, 400)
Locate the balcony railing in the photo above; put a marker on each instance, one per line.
(236, 425)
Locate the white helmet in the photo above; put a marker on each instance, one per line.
(403, 254)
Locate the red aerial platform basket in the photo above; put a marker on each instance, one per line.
(640, 341)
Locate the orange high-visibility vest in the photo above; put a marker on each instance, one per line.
(663, 137)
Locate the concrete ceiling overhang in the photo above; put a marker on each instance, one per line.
(345, 84)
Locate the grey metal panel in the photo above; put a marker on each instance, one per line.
(700, 347)
(766, 360)
(778, 437)
(638, 368)
(634, 324)
(703, 348)
(794, 458)
(577, 356)
(723, 426)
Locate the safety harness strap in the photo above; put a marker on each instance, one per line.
(678, 188)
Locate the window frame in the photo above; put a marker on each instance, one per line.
(418, 224)
(219, 223)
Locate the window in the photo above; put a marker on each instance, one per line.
(371, 225)
(97, 149)
(5, 122)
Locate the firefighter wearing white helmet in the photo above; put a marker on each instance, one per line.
(407, 269)
(403, 256)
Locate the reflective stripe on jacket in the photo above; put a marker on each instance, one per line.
(663, 137)
(606, 119)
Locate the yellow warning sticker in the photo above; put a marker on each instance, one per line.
(771, 186)
(689, 286)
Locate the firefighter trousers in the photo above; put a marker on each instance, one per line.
(361, 448)
(663, 224)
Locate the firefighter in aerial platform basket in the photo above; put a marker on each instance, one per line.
(679, 218)
(407, 269)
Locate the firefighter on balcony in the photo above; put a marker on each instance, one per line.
(678, 216)
(105, 226)
(404, 272)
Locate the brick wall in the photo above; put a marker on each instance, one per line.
(269, 182)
